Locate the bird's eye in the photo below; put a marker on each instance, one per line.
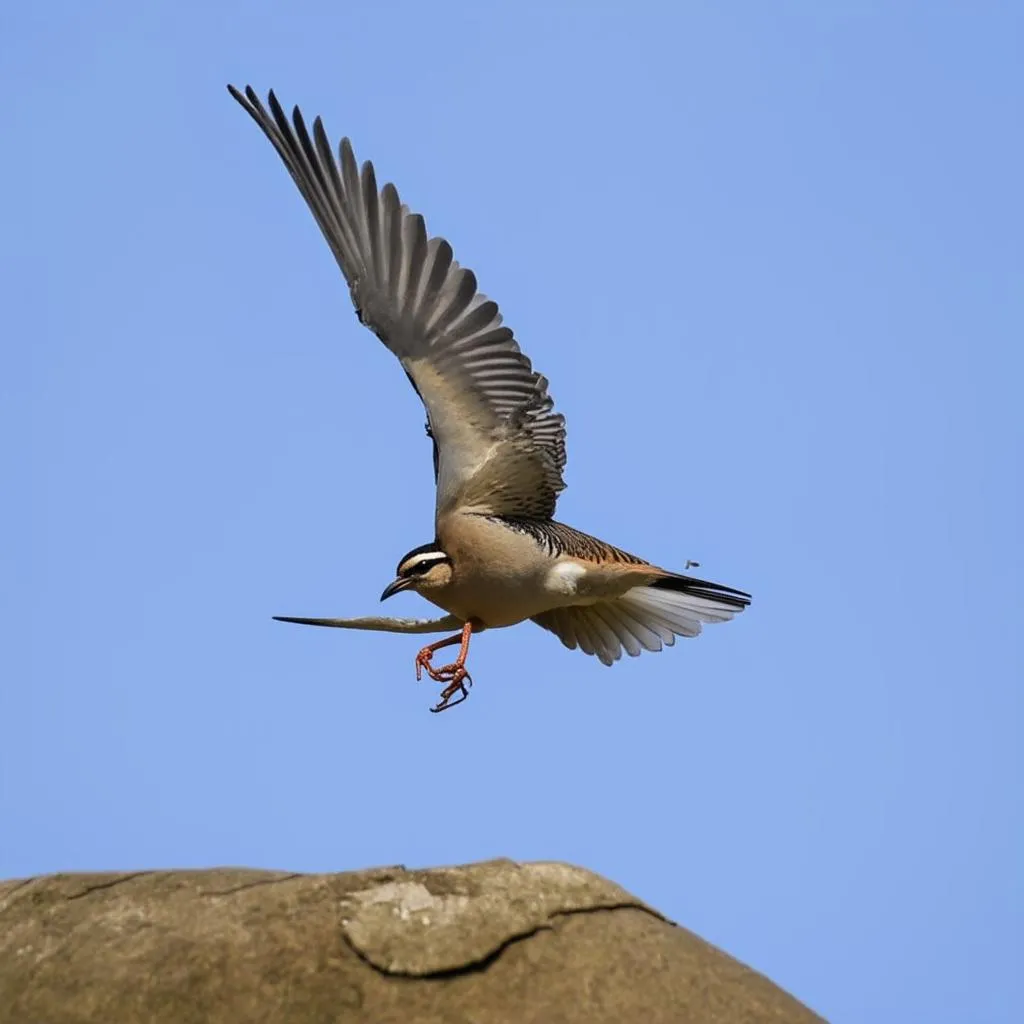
(423, 565)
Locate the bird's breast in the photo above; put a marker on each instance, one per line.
(500, 576)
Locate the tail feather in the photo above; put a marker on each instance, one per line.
(683, 604)
(680, 584)
(647, 617)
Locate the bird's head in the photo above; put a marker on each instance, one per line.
(424, 569)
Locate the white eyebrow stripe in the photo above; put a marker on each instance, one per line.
(423, 558)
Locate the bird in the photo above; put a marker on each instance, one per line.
(498, 557)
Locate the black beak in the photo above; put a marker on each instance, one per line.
(401, 583)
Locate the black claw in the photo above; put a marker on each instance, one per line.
(447, 702)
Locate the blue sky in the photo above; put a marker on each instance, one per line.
(769, 256)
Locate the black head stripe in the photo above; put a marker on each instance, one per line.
(421, 560)
(424, 564)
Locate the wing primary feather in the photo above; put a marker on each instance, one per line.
(584, 635)
(561, 625)
(369, 189)
(398, 269)
(439, 257)
(499, 445)
(415, 244)
(462, 295)
(353, 189)
(475, 320)
(346, 238)
(306, 158)
(609, 647)
(649, 639)
(615, 624)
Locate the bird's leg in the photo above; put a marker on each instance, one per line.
(426, 653)
(454, 674)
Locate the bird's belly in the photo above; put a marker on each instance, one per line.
(498, 598)
(494, 609)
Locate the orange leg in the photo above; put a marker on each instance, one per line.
(455, 674)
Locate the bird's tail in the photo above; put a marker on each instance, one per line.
(682, 603)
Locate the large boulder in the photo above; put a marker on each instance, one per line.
(490, 943)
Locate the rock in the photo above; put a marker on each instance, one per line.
(490, 943)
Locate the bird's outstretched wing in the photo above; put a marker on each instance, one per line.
(445, 624)
(499, 445)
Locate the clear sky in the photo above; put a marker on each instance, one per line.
(770, 257)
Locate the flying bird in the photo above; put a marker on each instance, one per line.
(498, 557)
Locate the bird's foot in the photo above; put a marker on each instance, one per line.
(455, 677)
(458, 680)
(423, 665)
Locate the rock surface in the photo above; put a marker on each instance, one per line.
(490, 943)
